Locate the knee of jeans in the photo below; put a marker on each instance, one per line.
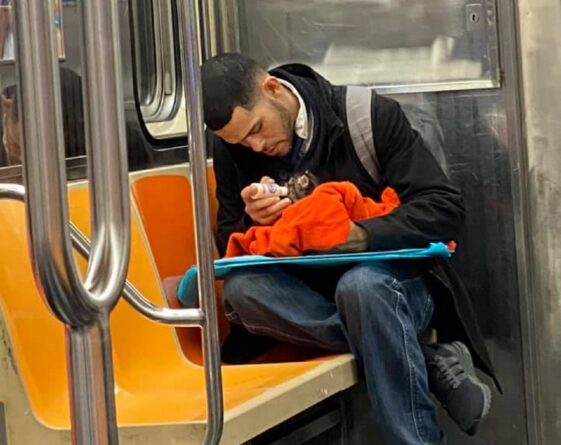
(360, 285)
(235, 290)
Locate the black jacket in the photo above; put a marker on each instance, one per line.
(432, 208)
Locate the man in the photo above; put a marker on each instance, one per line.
(267, 126)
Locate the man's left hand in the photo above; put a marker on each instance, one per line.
(357, 241)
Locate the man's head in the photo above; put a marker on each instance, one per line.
(245, 105)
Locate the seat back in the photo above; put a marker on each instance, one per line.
(164, 203)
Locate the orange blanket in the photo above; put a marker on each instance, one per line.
(318, 222)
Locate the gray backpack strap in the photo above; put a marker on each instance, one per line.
(359, 121)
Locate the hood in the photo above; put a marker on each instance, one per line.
(321, 97)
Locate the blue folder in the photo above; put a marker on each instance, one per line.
(187, 291)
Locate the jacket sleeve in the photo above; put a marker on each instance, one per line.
(231, 214)
(432, 208)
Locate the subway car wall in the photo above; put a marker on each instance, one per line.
(445, 61)
(144, 151)
(477, 108)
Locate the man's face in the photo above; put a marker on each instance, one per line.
(266, 128)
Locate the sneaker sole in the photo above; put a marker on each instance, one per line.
(487, 397)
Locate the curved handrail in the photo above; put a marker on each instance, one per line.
(43, 168)
(190, 62)
(83, 307)
(161, 314)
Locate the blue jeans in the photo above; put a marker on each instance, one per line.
(376, 310)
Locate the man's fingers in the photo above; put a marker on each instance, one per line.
(272, 212)
(257, 205)
(278, 207)
(247, 194)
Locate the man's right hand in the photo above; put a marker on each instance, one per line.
(263, 211)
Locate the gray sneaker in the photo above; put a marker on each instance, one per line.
(453, 381)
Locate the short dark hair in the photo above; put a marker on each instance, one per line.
(228, 81)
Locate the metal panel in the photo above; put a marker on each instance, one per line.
(396, 45)
(540, 49)
(484, 156)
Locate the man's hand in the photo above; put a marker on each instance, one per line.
(263, 211)
(357, 241)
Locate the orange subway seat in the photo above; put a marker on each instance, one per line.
(154, 383)
(164, 204)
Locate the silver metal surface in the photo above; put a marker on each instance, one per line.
(82, 306)
(539, 24)
(165, 315)
(190, 61)
(395, 45)
(7, 32)
(206, 19)
(155, 53)
(482, 141)
(105, 137)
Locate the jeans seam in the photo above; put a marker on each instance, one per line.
(414, 399)
(280, 335)
(427, 312)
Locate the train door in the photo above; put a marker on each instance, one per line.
(456, 61)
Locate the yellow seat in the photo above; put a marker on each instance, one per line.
(155, 382)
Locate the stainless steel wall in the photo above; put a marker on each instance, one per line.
(485, 157)
(540, 55)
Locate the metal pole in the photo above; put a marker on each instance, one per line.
(83, 307)
(205, 278)
(164, 315)
(206, 30)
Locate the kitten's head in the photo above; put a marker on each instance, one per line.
(301, 185)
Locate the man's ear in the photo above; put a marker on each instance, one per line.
(272, 87)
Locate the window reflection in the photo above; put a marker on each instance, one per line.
(400, 44)
(72, 120)
(7, 49)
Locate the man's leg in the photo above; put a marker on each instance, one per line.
(273, 302)
(384, 308)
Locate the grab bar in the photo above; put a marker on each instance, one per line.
(190, 66)
(160, 314)
(83, 306)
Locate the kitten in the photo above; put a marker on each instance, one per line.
(301, 185)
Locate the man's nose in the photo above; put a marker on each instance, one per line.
(257, 144)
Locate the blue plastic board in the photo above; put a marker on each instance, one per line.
(187, 291)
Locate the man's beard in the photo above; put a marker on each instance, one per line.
(286, 121)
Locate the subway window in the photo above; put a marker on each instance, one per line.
(157, 71)
(395, 45)
(70, 85)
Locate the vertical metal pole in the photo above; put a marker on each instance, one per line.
(92, 394)
(83, 307)
(197, 157)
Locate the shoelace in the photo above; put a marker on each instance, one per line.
(451, 371)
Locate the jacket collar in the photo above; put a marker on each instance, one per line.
(318, 95)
